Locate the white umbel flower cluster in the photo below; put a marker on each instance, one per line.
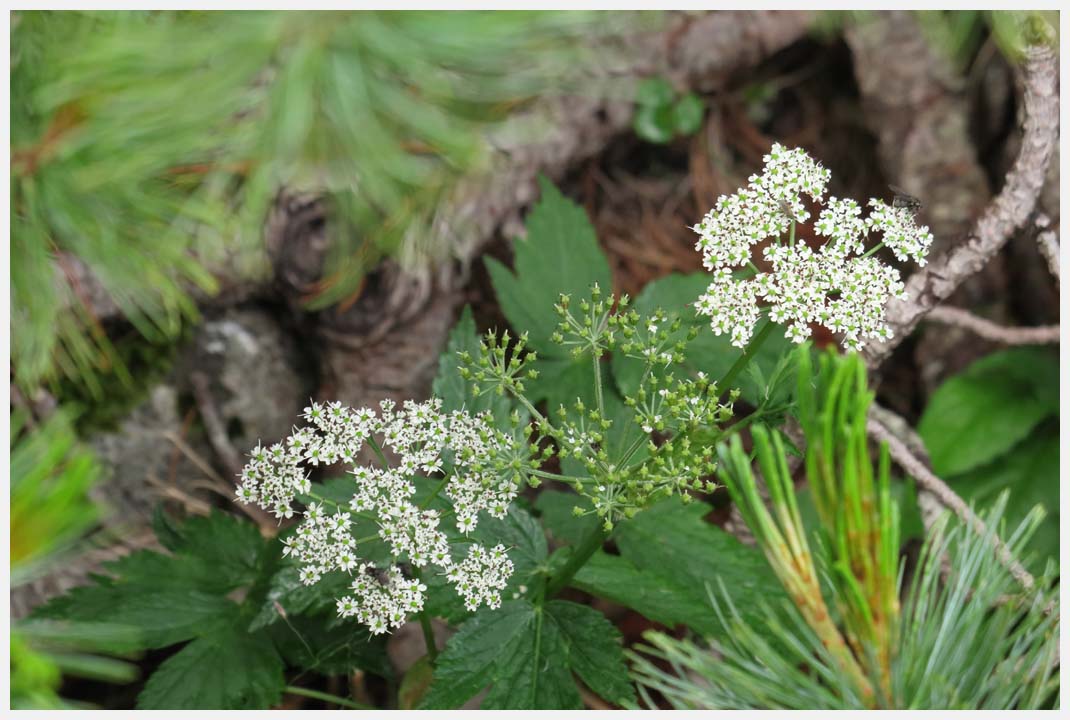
(424, 440)
(481, 577)
(838, 285)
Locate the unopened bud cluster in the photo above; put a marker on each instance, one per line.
(663, 458)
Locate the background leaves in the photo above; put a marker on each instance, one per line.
(995, 427)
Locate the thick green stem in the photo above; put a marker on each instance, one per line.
(580, 555)
(746, 357)
(327, 697)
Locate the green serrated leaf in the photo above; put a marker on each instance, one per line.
(986, 410)
(171, 598)
(594, 650)
(559, 255)
(660, 574)
(160, 617)
(687, 114)
(517, 650)
(654, 123)
(712, 354)
(230, 546)
(226, 670)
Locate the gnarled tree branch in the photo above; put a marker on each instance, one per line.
(1007, 212)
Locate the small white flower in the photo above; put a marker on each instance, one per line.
(836, 286)
(421, 436)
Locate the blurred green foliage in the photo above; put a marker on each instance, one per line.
(50, 514)
(157, 148)
(661, 114)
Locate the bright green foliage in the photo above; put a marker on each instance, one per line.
(527, 653)
(50, 476)
(984, 411)
(50, 513)
(995, 427)
(236, 652)
(671, 560)
(660, 115)
(151, 166)
(968, 640)
(227, 669)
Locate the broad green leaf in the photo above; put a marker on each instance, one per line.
(712, 354)
(287, 593)
(671, 560)
(161, 617)
(654, 123)
(330, 645)
(654, 92)
(687, 114)
(1030, 471)
(594, 650)
(557, 516)
(559, 255)
(518, 650)
(229, 545)
(454, 390)
(983, 412)
(225, 670)
(166, 598)
(656, 596)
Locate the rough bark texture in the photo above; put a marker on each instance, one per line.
(919, 108)
(1008, 212)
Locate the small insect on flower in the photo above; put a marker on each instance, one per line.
(903, 199)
